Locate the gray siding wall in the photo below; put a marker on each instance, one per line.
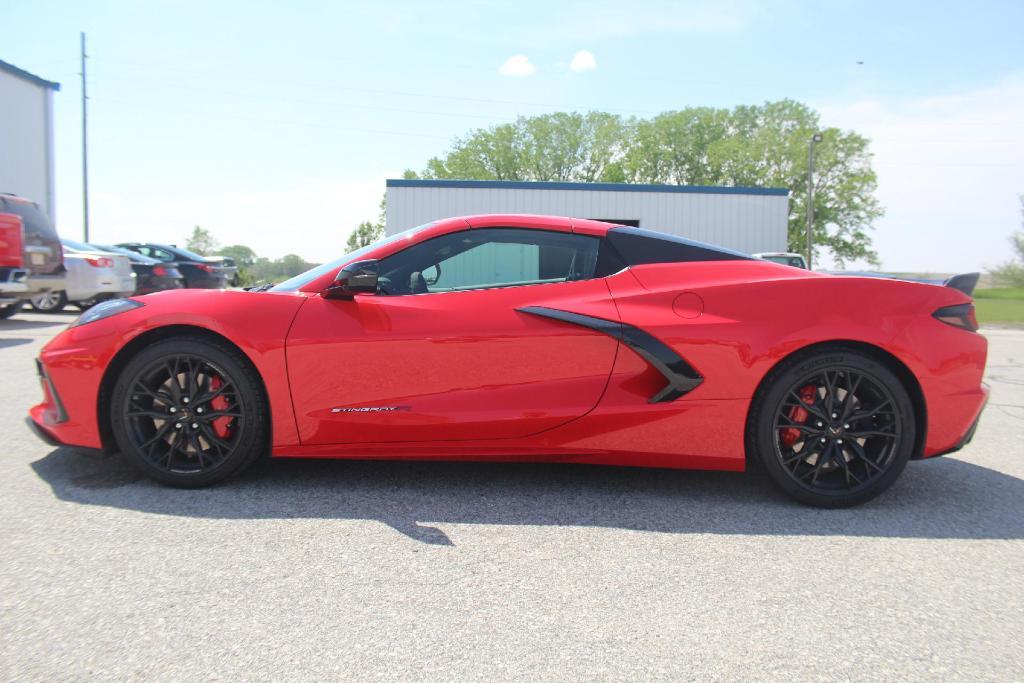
(749, 223)
(26, 136)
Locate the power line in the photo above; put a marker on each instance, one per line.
(276, 98)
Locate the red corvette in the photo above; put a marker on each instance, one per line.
(531, 338)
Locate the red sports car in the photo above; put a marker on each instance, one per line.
(531, 338)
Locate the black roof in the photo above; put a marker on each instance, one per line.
(31, 78)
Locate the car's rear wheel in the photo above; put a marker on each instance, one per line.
(10, 310)
(833, 428)
(49, 302)
(190, 412)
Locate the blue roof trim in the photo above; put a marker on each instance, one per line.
(31, 78)
(604, 187)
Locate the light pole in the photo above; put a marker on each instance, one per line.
(815, 139)
(85, 151)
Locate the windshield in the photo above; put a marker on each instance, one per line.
(190, 255)
(303, 279)
(137, 258)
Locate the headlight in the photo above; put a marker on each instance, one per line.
(107, 309)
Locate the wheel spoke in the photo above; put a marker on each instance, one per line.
(840, 458)
(160, 433)
(824, 457)
(865, 414)
(210, 395)
(151, 414)
(830, 394)
(192, 379)
(851, 395)
(156, 395)
(222, 413)
(859, 451)
(212, 437)
(870, 433)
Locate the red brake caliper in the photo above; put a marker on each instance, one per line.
(799, 415)
(221, 424)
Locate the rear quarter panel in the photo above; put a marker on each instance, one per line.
(754, 314)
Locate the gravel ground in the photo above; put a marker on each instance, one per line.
(303, 570)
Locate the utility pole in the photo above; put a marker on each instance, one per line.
(85, 152)
(816, 138)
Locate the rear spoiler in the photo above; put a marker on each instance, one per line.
(963, 283)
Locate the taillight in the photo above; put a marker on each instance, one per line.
(160, 270)
(961, 315)
(99, 262)
(205, 268)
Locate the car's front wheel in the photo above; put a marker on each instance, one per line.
(49, 302)
(189, 412)
(833, 428)
(10, 310)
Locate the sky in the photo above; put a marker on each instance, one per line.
(275, 124)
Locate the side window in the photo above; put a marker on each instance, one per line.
(161, 254)
(489, 257)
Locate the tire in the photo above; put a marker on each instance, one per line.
(49, 302)
(837, 454)
(210, 423)
(10, 310)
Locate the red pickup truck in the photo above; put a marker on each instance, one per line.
(31, 257)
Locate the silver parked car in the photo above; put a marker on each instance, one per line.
(93, 275)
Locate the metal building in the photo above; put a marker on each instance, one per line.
(748, 219)
(26, 135)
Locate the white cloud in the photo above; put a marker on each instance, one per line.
(517, 65)
(583, 61)
(949, 168)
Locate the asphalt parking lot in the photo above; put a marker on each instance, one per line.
(430, 570)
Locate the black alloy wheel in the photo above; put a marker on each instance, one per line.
(189, 412)
(835, 429)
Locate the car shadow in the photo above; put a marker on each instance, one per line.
(12, 324)
(947, 498)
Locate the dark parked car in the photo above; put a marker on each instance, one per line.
(200, 272)
(42, 268)
(153, 275)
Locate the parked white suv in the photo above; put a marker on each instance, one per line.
(786, 258)
(92, 276)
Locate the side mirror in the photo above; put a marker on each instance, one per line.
(358, 277)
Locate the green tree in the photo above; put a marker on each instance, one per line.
(366, 233)
(1011, 273)
(760, 146)
(201, 241)
(561, 146)
(293, 264)
(244, 256)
